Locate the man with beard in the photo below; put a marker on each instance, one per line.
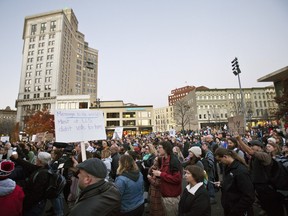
(233, 145)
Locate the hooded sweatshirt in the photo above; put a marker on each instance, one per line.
(11, 198)
(131, 187)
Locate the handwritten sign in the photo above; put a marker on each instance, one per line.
(5, 138)
(79, 125)
(236, 124)
(118, 133)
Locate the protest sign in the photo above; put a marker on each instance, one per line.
(79, 125)
(118, 132)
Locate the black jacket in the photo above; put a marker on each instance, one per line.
(237, 190)
(34, 188)
(196, 205)
(101, 198)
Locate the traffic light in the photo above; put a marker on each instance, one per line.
(235, 67)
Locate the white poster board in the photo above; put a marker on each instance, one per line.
(118, 132)
(172, 132)
(79, 125)
(5, 138)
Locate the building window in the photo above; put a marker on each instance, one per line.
(38, 73)
(41, 37)
(51, 36)
(53, 25)
(129, 115)
(129, 123)
(113, 115)
(47, 94)
(48, 72)
(112, 123)
(40, 51)
(37, 88)
(200, 116)
(48, 79)
(33, 29)
(43, 27)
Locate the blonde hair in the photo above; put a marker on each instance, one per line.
(126, 164)
(152, 149)
(105, 153)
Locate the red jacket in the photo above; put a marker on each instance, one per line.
(171, 183)
(11, 198)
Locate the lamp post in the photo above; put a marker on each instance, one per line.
(236, 71)
(98, 103)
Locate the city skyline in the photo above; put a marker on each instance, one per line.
(146, 49)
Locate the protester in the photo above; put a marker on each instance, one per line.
(270, 200)
(131, 186)
(155, 202)
(97, 196)
(237, 187)
(115, 160)
(210, 169)
(11, 195)
(195, 198)
(37, 183)
(171, 178)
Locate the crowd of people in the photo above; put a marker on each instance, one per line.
(158, 173)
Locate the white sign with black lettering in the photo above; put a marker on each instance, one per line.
(79, 125)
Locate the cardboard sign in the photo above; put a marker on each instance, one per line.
(79, 125)
(5, 138)
(236, 124)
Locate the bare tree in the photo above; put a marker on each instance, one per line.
(182, 113)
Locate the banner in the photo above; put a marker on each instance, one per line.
(118, 132)
(79, 125)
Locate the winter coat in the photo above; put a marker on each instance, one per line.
(11, 198)
(34, 188)
(131, 187)
(101, 198)
(171, 177)
(195, 203)
(237, 190)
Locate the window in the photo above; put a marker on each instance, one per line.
(83, 105)
(50, 43)
(200, 116)
(27, 81)
(37, 88)
(129, 123)
(43, 27)
(28, 74)
(33, 29)
(41, 37)
(38, 80)
(40, 51)
(49, 57)
(53, 25)
(27, 89)
(39, 58)
(47, 87)
(38, 73)
(113, 115)
(129, 115)
(30, 53)
(113, 123)
(49, 64)
(48, 72)
(51, 36)
(47, 94)
(32, 39)
(48, 79)
(37, 95)
(38, 66)
(31, 46)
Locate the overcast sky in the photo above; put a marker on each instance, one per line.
(149, 47)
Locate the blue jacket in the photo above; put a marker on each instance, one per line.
(131, 187)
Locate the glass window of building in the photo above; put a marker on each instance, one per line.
(33, 29)
(129, 114)
(129, 123)
(113, 115)
(112, 123)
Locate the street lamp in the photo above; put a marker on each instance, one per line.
(97, 102)
(236, 71)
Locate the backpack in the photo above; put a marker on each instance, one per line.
(56, 184)
(278, 175)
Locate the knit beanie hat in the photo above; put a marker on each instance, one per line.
(6, 168)
(196, 150)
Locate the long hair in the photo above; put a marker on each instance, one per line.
(152, 149)
(220, 152)
(126, 164)
(234, 141)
